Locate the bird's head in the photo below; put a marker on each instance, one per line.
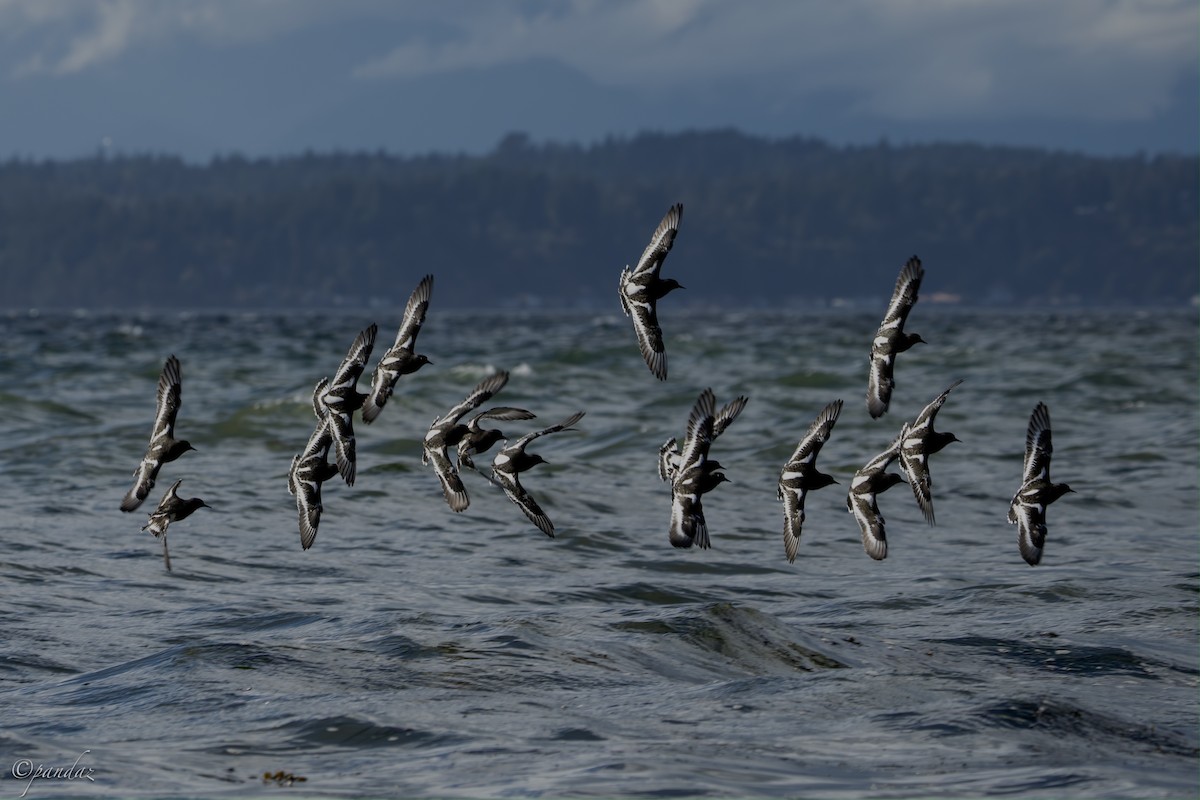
(192, 505)
(821, 480)
(939, 439)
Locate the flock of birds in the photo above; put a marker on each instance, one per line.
(687, 467)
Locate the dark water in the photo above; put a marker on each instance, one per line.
(416, 652)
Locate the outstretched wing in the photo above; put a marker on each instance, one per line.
(318, 393)
(668, 460)
(452, 485)
(728, 414)
(502, 413)
(626, 274)
(816, 436)
(308, 509)
(291, 476)
(170, 390)
(511, 485)
(793, 518)
(414, 315)
(341, 427)
(482, 392)
(144, 478)
(884, 460)
(649, 335)
(660, 243)
(924, 421)
(870, 523)
(880, 382)
(565, 425)
(904, 295)
(318, 442)
(1038, 447)
(356, 358)
(699, 431)
(1031, 530)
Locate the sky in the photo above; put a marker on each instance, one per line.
(200, 78)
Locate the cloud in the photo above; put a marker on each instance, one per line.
(72, 37)
(63, 37)
(903, 59)
(109, 38)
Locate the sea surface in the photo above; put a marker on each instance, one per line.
(415, 652)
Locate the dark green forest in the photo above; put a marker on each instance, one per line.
(767, 222)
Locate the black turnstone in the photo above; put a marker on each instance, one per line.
(309, 470)
(342, 398)
(668, 453)
(710, 475)
(1028, 508)
(400, 359)
(800, 475)
(920, 443)
(478, 439)
(862, 500)
(891, 339)
(163, 446)
(447, 431)
(640, 290)
(513, 460)
(171, 508)
(693, 473)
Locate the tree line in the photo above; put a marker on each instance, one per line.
(767, 222)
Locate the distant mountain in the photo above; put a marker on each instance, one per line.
(299, 91)
(767, 222)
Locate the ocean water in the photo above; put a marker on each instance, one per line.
(415, 652)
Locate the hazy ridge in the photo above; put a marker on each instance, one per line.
(768, 222)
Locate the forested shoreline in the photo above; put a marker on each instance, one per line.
(767, 222)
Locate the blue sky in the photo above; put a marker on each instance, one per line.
(269, 77)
